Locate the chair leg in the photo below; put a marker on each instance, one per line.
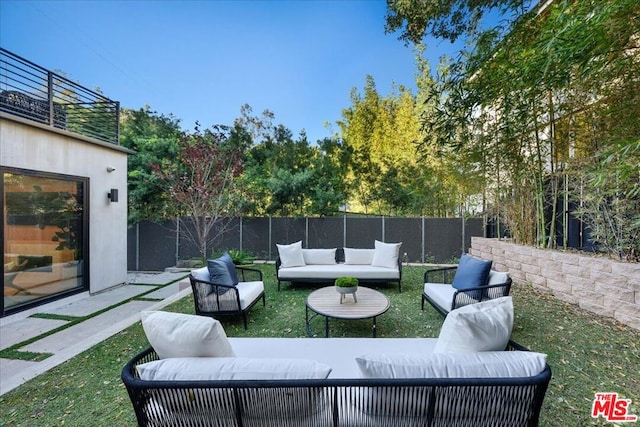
(244, 319)
(422, 305)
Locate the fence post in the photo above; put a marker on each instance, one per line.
(422, 239)
(383, 237)
(241, 223)
(270, 231)
(50, 96)
(177, 239)
(344, 231)
(137, 246)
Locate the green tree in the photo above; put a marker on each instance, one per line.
(155, 138)
(203, 185)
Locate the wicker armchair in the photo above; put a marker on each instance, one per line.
(443, 297)
(216, 300)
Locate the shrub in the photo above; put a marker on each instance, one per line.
(346, 282)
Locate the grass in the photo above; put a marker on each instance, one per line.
(587, 353)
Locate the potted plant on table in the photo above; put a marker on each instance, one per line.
(346, 285)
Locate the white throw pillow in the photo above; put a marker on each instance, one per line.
(484, 326)
(231, 368)
(488, 364)
(358, 256)
(291, 255)
(185, 335)
(386, 254)
(319, 256)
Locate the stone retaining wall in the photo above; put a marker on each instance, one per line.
(597, 284)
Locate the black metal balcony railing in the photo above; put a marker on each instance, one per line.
(32, 92)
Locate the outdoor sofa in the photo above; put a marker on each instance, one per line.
(381, 264)
(338, 381)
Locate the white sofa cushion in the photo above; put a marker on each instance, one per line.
(231, 368)
(484, 326)
(354, 256)
(441, 294)
(201, 274)
(291, 255)
(339, 353)
(185, 335)
(386, 254)
(497, 277)
(488, 364)
(319, 256)
(334, 271)
(249, 292)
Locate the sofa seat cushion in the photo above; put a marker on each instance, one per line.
(488, 364)
(339, 353)
(325, 272)
(441, 294)
(231, 368)
(249, 292)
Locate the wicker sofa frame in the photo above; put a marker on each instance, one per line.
(339, 260)
(461, 402)
(215, 300)
(461, 298)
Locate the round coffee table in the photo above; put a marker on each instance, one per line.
(327, 302)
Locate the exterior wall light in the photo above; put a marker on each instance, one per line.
(113, 195)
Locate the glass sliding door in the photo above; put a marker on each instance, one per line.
(44, 237)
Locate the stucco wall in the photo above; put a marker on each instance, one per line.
(33, 147)
(597, 284)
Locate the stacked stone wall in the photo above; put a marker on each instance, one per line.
(597, 284)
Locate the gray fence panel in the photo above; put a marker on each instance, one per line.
(407, 231)
(255, 237)
(132, 248)
(362, 232)
(443, 239)
(326, 232)
(157, 245)
(473, 227)
(287, 230)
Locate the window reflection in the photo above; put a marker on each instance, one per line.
(43, 237)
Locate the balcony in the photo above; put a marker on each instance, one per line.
(34, 93)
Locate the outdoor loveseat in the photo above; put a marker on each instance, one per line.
(336, 381)
(379, 265)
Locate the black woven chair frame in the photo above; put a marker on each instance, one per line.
(464, 297)
(215, 300)
(339, 259)
(337, 402)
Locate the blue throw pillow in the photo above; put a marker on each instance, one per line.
(472, 273)
(222, 271)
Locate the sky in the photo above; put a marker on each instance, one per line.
(202, 60)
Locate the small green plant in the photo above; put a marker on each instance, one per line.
(346, 282)
(239, 257)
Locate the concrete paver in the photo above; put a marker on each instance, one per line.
(161, 278)
(27, 329)
(66, 338)
(95, 303)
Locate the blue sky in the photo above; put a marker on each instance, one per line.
(202, 60)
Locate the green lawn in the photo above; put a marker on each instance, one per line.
(587, 353)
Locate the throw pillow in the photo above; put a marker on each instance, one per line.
(484, 326)
(231, 368)
(222, 270)
(291, 255)
(319, 256)
(472, 273)
(358, 256)
(386, 254)
(185, 335)
(489, 364)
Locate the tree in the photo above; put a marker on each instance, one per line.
(203, 186)
(155, 138)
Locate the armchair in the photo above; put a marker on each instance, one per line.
(214, 299)
(439, 292)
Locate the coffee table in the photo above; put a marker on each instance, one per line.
(326, 302)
